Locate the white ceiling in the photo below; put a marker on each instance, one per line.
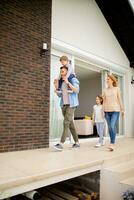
(83, 73)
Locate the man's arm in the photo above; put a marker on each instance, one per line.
(74, 86)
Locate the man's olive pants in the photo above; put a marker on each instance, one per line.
(68, 123)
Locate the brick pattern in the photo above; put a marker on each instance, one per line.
(24, 75)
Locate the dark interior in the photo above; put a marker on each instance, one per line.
(120, 17)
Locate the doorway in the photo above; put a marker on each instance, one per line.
(90, 87)
(92, 81)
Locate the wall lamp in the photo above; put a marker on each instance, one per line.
(132, 80)
(43, 50)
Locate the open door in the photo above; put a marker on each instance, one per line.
(56, 118)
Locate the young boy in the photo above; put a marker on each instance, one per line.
(70, 74)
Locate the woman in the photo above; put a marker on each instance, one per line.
(112, 105)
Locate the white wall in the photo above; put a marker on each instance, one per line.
(81, 24)
(80, 29)
(89, 89)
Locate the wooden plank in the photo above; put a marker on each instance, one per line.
(52, 196)
(63, 194)
(45, 198)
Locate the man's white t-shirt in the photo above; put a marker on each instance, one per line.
(64, 88)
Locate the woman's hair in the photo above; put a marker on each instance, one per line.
(100, 98)
(114, 79)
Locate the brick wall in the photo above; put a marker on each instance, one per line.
(24, 75)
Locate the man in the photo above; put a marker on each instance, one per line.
(68, 102)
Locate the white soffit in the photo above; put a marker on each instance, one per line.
(131, 2)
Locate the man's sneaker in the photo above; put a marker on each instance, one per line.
(58, 147)
(76, 145)
(98, 145)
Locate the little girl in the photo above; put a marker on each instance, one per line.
(98, 117)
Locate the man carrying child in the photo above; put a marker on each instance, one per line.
(67, 89)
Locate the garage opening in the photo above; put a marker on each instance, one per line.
(85, 187)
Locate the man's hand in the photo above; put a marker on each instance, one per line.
(65, 79)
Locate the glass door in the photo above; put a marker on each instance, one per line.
(56, 118)
(104, 85)
(120, 123)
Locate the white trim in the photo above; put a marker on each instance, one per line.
(59, 53)
(98, 63)
(131, 3)
(93, 59)
(87, 65)
(73, 61)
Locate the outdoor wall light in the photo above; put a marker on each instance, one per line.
(132, 80)
(43, 49)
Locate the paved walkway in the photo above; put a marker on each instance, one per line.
(26, 170)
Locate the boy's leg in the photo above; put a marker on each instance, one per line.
(70, 77)
(60, 83)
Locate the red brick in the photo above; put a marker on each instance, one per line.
(24, 75)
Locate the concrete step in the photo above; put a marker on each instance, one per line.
(124, 169)
(127, 184)
(112, 177)
(116, 160)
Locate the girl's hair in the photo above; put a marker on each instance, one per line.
(100, 98)
(114, 79)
